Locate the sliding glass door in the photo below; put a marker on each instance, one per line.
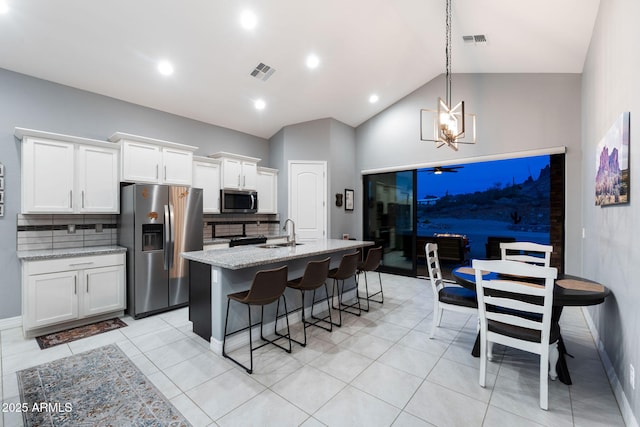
(389, 218)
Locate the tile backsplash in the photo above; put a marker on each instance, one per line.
(36, 232)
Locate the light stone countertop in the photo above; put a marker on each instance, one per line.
(253, 255)
(69, 252)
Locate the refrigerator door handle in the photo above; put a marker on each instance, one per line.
(172, 238)
(167, 237)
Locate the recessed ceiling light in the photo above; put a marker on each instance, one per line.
(165, 68)
(4, 8)
(259, 104)
(373, 98)
(248, 19)
(313, 61)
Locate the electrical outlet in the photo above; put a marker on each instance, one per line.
(632, 376)
(71, 228)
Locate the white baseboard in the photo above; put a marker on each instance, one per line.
(618, 391)
(10, 323)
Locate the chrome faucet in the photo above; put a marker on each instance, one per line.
(291, 238)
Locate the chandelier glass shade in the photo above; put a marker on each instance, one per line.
(448, 124)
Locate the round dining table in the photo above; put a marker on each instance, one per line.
(569, 290)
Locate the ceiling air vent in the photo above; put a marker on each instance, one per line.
(262, 71)
(475, 39)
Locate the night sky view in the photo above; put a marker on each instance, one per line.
(480, 176)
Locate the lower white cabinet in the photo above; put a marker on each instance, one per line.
(58, 292)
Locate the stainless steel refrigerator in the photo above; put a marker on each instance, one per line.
(157, 222)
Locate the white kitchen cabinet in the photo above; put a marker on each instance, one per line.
(206, 175)
(153, 161)
(65, 292)
(238, 172)
(267, 187)
(98, 181)
(66, 174)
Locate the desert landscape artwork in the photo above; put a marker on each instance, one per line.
(612, 164)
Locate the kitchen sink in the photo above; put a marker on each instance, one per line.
(278, 245)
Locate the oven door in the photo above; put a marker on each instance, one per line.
(237, 201)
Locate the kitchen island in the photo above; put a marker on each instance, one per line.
(218, 272)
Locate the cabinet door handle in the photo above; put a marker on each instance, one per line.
(81, 263)
(82, 194)
(156, 171)
(238, 180)
(75, 285)
(244, 181)
(71, 199)
(87, 283)
(165, 173)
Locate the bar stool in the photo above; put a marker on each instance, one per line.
(374, 258)
(267, 287)
(315, 275)
(347, 269)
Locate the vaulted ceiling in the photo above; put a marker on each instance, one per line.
(383, 47)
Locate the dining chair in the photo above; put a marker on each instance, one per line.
(453, 298)
(515, 310)
(314, 276)
(268, 286)
(346, 270)
(371, 264)
(532, 253)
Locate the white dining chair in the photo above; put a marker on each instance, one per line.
(519, 314)
(529, 252)
(454, 298)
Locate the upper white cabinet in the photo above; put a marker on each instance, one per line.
(267, 187)
(153, 161)
(206, 175)
(238, 172)
(67, 174)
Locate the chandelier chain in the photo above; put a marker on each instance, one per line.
(448, 52)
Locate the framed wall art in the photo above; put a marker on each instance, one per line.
(348, 199)
(612, 180)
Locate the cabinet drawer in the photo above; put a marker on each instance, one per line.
(75, 263)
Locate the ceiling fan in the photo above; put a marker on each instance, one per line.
(440, 169)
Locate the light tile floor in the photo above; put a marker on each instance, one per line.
(380, 369)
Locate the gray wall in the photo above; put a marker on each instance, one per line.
(515, 112)
(320, 140)
(38, 104)
(611, 253)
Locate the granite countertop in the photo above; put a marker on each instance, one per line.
(69, 252)
(253, 255)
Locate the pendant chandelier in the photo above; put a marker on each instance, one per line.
(450, 125)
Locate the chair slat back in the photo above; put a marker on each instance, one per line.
(433, 265)
(527, 252)
(513, 298)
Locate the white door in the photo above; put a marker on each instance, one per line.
(307, 198)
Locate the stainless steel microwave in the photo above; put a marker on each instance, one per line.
(238, 201)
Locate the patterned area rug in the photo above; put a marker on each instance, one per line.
(46, 341)
(101, 387)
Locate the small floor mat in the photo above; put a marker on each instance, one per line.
(63, 337)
